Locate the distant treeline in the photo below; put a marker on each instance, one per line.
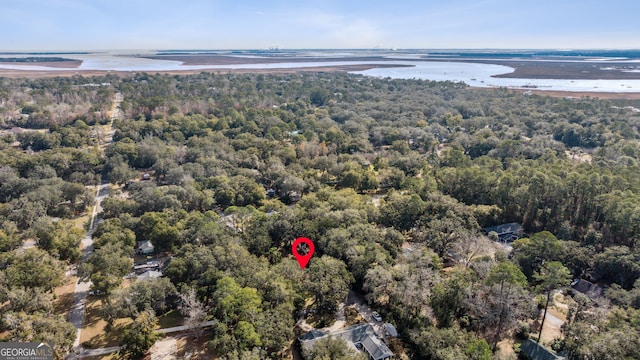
(538, 53)
(33, 59)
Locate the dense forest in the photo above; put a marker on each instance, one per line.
(393, 180)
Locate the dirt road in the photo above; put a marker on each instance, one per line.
(76, 316)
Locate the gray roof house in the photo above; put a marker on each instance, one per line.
(534, 351)
(149, 275)
(593, 291)
(144, 248)
(506, 232)
(360, 337)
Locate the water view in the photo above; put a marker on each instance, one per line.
(409, 67)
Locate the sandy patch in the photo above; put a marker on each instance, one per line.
(552, 325)
(193, 349)
(64, 295)
(505, 350)
(165, 349)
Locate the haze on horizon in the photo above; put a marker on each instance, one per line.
(56, 25)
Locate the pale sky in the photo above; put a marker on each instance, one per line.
(259, 24)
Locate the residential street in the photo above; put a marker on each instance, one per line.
(76, 316)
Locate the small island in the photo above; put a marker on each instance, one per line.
(51, 61)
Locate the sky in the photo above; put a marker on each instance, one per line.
(48, 25)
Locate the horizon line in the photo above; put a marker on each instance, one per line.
(276, 49)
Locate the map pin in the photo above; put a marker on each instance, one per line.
(303, 259)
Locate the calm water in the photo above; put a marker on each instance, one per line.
(474, 74)
(480, 75)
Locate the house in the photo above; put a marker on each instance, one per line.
(145, 248)
(359, 337)
(534, 351)
(593, 291)
(506, 232)
(149, 275)
(150, 265)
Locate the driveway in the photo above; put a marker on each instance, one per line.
(357, 301)
(363, 309)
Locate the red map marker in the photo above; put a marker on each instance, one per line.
(303, 259)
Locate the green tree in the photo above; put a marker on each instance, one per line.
(551, 276)
(478, 350)
(328, 283)
(41, 327)
(246, 335)
(505, 276)
(78, 195)
(106, 268)
(401, 211)
(247, 191)
(332, 348)
(319, 97)
(237, 307)
(447, 298)
(34, 268)
(30, 300)
(275, 327)
(610, 334)
(141, 295)
(531, 253)
(236, 303)
(138, 338)
(157, 227)
(119, 172)
(61, 239)
(447, 344)
(9, 239)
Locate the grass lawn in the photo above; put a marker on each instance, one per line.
(64, 296)
(170, 319)
(93, 333)
(81, 221)
(320, 320)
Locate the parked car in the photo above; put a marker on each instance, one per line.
(376, 316)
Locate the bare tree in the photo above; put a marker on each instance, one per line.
(470, 246)
(194, 311)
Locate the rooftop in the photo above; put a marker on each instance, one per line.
(361, 333)
(510, 228)
(149, 275)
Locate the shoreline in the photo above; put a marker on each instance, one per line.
(576, 95)
(22, 73)
(70, 68)
(536, 69)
